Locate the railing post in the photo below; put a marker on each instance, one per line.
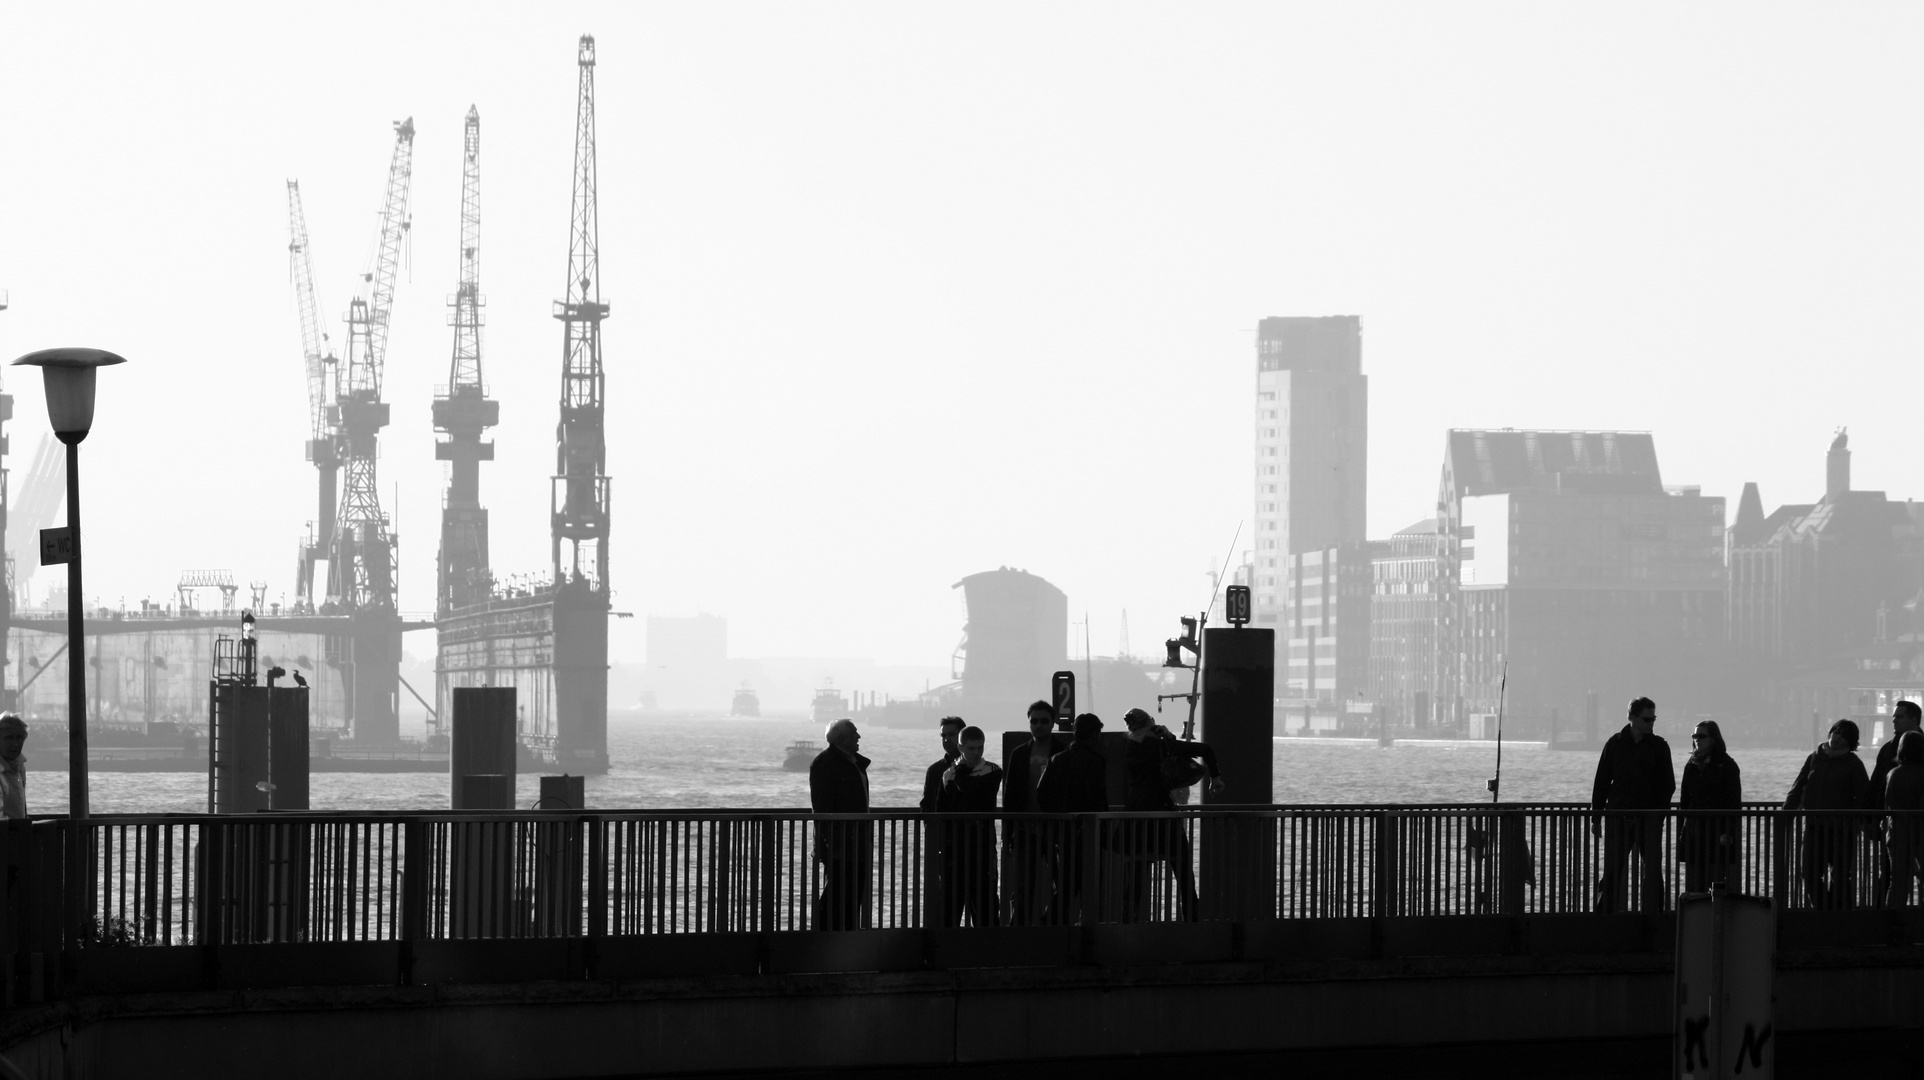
(414, 879)
(1386, 898)
(597, 876)
(1090, 898)
(767, 885)
(1780, 858)
(1513, 862)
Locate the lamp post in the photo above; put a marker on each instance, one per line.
(69, 379)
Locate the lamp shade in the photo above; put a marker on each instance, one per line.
(69, 377)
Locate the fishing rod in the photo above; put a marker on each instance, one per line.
(1192, 640)
(1496, 784)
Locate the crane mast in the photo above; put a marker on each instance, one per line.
(463, 410)
(361, 561)
(323, 444)
(579, 501)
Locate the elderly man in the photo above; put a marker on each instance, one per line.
(13, 767)
(838, 784)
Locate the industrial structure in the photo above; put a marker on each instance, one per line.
(548, 639)
(342, 633)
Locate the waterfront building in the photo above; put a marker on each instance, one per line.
(1312, 407)
(1564, 557)
(1824, 598)
(1403, 623)
(1328, 638)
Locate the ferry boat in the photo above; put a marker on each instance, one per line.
(746, 703)
(801, 755)
(829, 704)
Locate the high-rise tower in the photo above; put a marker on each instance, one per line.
(1312, 441)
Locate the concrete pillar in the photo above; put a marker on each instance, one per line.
(288, 747)
(240, 747)
(482, 744)
(1238, 722)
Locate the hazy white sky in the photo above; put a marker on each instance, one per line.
(906, 291)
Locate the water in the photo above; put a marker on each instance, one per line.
(683, 761)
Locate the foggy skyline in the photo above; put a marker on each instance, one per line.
(904, 294)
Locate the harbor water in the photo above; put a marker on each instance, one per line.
(681, 761)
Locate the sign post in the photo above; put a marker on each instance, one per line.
(1726, 953)
(1062, 688)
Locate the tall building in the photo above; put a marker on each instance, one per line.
(1565, 557)
(1403, 623)
(1312, 437)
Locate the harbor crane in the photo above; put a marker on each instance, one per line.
(463, 410)
(361, 565)
(579, 500)
(324, 437)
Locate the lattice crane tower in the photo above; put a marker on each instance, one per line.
(324, 440)
(361, 562)
(463, 410)
(579, 501)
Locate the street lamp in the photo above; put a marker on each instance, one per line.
(69, 380)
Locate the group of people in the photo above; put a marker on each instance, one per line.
(1045, 860)
(1635, 781)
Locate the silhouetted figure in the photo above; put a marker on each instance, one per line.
(969, 787)
(298, 681)
(1031, 885)
(1904, 717)
(1154, 754)
(939, 886)
(1711, 796)
(1903, 796)
(13, 767)
(838, 784)
(1832, 779)
(1634, 784)
(1077, 783)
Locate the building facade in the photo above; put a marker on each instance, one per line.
(1327, 599)
(1566, 567)
(1312, 408)
(1403, 624)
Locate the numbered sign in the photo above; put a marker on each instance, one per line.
(1063, 685)
(1236, 604)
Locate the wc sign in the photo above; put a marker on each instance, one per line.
(56, 547)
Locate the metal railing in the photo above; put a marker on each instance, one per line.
(191, 879)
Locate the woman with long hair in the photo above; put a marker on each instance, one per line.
(1711, 798)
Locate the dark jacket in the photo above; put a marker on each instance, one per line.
(837, 785)
(967, 793)
(932, 782)
(1015, 788)
(1144, 765)
(1830, 782)
(1904, 788)
(1633, 774)
(1077, 781)
(1713, 783)
(1880, 773)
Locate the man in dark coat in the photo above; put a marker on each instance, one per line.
(1030, 844)
(1634, 783)
(940, 886)
(969, 787)
(1077, 783)
(1904, 717)
(838, 784)
(1832, 779)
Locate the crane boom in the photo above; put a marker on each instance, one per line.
(315, 346)
(365, 377)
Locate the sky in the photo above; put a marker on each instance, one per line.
(901, 292)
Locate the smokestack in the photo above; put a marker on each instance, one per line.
(1837, 467)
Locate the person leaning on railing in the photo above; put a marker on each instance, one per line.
(1711, 796)
(1832, 779)
(1904, 791)
(1077, 783)
(1151, 746)
(13, 767)
(1633, 786)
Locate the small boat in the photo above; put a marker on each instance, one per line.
(800, 756)
(829, 704)
(746, 703)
